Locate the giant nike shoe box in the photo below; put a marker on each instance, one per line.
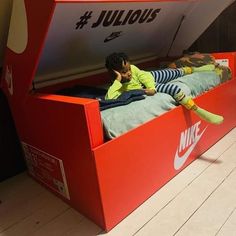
(55, 44)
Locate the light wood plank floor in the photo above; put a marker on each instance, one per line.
(200, 201)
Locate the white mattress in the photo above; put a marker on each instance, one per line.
(119, 120)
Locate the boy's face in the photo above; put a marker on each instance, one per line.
(125, 72)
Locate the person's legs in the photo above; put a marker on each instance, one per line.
(166, 75)
(171, 89)
(186, 101)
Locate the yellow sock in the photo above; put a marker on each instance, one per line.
(208, 116)
(208, 67)
(187, 70)
(189, 104)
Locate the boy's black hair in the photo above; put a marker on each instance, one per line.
(115, 61)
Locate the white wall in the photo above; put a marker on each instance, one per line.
(5, 14)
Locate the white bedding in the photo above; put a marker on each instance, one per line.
(119, 120)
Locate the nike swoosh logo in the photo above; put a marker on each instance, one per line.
(114, 35)
(18, 28)
(8, 78)
(10, 86)
(180, 160)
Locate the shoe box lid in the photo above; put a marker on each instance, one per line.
(59, 40)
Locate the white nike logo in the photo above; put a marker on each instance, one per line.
(180, 160)
(8, 78)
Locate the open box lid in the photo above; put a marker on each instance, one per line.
(80, 34)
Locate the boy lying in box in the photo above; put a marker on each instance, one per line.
(126, 77)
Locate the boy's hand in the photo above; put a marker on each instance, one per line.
(149, 92)
(118, 75)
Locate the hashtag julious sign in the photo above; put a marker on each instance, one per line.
(118, 17)
(92, 30)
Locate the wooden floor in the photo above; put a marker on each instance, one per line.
(200, 201)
